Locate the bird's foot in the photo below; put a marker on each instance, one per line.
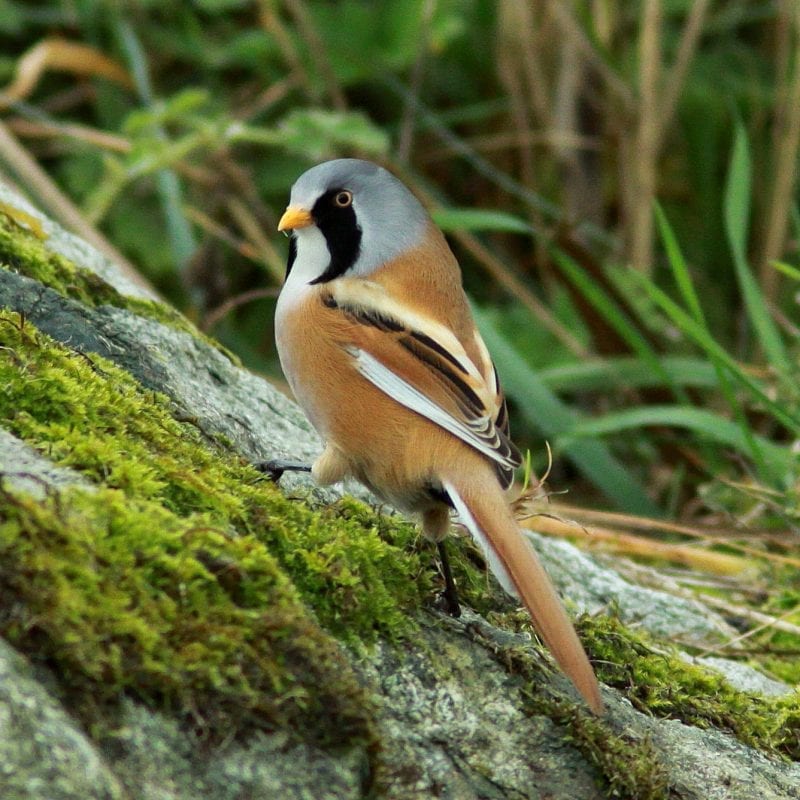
(274, 469)
(447, 602)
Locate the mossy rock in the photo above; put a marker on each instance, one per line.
(156, 582)
(181, 575)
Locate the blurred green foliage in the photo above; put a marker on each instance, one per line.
(656, 352)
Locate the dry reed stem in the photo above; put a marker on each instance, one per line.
(786, 143)
(511, 140)
(269, 97)
(640, 143)
(317, 51)
(405, 140)
(271, 22)
(218, 231)
(629, 544)
(710, 535)
(644, 173)
(216, 314)
(61, 55)
(583, 196)
(59, 206)
(103, 140)
(253, 230)
(515, 36)
(676, 78)
(757, 617)
(518, 289)
(489, 171)
(536, 30)
(657, 579)
(617, 87)
(770, 622)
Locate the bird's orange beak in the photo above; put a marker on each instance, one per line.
(295, 217)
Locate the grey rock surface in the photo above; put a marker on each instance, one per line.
(26, 470)
(709, 765)
(43, 754)
(592, 587)
(67, 244)
(744, 677)
(156, 760)
(456, 721)
(452, 723)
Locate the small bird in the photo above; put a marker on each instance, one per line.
(377, 342)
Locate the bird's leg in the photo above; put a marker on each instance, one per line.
(275, 469)
(435, 525)
(330, 467)
(450, 594)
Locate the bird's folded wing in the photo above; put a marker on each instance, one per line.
(424, 367)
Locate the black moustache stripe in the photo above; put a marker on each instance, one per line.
(292, 256)
(342, 235)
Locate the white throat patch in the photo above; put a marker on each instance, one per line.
(311, 261)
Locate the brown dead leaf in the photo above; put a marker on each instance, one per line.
(65, 56)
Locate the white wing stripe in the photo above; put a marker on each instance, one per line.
(469, 522)
(407, 395)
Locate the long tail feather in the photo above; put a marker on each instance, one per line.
(482, 508)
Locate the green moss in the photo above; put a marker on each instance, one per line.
(185, 576)
(359, 571)
(123, 595)
(658, 681)
(22, 251)
(631, 768)
(780, 657)
(779, 648)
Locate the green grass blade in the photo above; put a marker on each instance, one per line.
(787, 269)
(794, 214)
(737, 195)
(685, 285)
(737, 221)
(544, 411)
(680, 272)
(479, 219)
(614, 315)
(701, 337)
(704, 423)
(169, 187)
(628, 372)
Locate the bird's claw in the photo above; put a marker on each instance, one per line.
(275, 468)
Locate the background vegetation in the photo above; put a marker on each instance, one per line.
(618, 180)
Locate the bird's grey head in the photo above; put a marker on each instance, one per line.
(366, 216)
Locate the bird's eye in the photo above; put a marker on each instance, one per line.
(343, 199)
